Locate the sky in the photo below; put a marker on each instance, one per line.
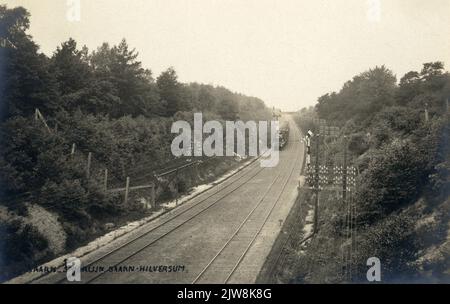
(286, 52)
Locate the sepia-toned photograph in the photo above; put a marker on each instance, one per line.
(244, 143)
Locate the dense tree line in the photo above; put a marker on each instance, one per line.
(388, 130)
(404, 165)
(102, 100)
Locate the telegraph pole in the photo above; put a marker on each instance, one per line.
(344, 177)
(346, 210)
(316, 186)
(314, 178)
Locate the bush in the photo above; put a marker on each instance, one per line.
(395, 177)
(395, 243)
(22, 247)
(358, 144)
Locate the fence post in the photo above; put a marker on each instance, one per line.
(105, 182)
(127, 188)
(152, 196)
(38, 116)
(197, 173)
(88, 168)
(176, 187)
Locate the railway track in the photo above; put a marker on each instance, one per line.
(220, 264)
(203, 225)
(168, 226)
(277, 263)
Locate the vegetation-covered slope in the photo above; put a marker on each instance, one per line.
(403, 187)
(103, 101)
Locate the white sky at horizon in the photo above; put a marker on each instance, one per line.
(286, 52)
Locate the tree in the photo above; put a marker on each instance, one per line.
(409, 88)
(170, 91)
(26, 81)
(228, 108)
(361, 98)
(432, 69)
(134, 85)
(73, 74)
(71, 67)
(13, 25)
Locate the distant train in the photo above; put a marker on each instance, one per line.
(283, 134)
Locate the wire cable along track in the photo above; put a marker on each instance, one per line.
(167, 227)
